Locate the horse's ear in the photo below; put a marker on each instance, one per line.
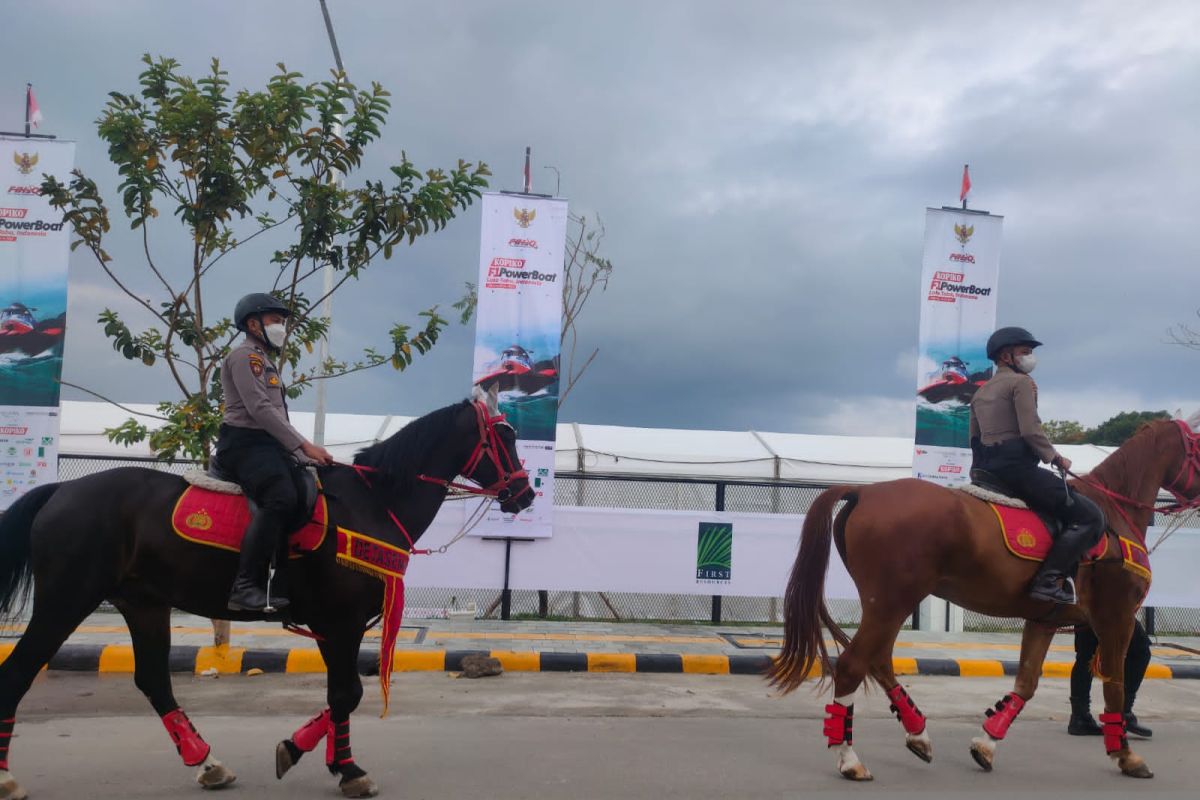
(1194, 421)
(478, 395)
(493, 400)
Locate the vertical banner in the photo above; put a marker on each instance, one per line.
(960, 269)
(33, 312)
(518, 328)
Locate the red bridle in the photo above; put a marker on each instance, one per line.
(1189, 470)
(491, 447)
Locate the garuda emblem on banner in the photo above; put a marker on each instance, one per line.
(524, 216)
(25, 162)
(963, 233)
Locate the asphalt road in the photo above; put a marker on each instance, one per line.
(583, 736)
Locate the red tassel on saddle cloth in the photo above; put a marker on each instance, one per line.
(1114, 732)
(388, 563)
(1002, 716)
(839, 725)
(906, 710)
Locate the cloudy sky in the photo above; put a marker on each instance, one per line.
(762, 170)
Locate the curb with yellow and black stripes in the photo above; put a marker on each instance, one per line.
(116, 658)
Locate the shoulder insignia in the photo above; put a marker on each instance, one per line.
(256, 364)
(273, 380)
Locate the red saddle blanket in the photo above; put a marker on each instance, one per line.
(1026, 536)
(220, 520)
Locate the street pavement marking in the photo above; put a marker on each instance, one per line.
(705, 665)
(611, 662)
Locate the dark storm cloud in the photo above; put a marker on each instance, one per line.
(762, 170)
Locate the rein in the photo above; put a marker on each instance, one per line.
(489, 445)
(1190, 467)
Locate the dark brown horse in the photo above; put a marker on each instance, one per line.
(108, 536)
(904, 540)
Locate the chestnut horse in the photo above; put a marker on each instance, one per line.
(108, 536)
(904, 540)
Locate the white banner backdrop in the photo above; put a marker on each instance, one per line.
(655, 552)
(959, 273)
(518, 328)
(34, 244)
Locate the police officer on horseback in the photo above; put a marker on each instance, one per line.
(259, 449)
(1008, 442)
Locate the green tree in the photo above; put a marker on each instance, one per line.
(1064, 431)
(1115, 430)
(230, 167)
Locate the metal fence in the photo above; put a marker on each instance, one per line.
(573, 489)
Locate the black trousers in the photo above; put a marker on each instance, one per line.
(1014, 463)
(266, 472)
(1137, 658)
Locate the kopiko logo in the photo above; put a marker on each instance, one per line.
(13, 430)
(963, 233)
(948, 287)
(25, 162)
(508, 272)
(33, 190)
(13, 213)
(714, 553)
(953, 469)
(531, 243)
(524, 216)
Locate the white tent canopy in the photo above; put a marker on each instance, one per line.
(603, 449)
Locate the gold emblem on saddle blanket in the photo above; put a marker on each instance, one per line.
(199, 520)
(1025, 538)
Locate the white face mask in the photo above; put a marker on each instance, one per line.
(275, 334)
(1026, 363)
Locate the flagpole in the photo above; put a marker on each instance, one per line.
(28, 94)
(964, 197)
(528, 172)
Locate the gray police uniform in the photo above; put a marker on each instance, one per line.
(258, 447)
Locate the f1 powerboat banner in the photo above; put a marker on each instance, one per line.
(518, 328)
(959, 273)
(33, 311)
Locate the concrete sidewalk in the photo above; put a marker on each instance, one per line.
(102, 643)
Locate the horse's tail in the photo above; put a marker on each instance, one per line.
(804, 609)
(16, 576)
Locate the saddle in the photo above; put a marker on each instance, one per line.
(214, 511)
(1028, 534)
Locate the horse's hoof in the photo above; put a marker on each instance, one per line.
(857, 772)
(214, 775)
(983, 753)
(1135, 767)
(283, 759)
(362, 786)
(920, 746)
(9, 788)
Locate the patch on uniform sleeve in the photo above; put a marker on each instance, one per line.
(273, 380)
(256, 364)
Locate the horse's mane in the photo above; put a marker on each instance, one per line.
(1131, 457)
(398, 457)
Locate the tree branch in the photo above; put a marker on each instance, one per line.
(126, 409)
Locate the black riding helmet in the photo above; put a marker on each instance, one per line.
(1007, 337)
(257, 303)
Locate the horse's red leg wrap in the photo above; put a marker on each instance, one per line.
(337, 746)
(6, 730)
(906, 710)
(192, 749)
(1114, 732)
(1000, 717)
(312, 732)
(839, 725)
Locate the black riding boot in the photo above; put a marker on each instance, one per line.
(1053, 579)
(1132, 726)
(249, 588)
(1082, 722)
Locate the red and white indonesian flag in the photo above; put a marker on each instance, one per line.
(35, 112)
